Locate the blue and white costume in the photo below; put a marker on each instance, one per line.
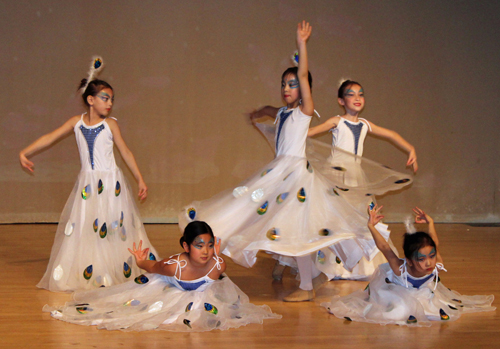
(99, 222)
(154, 301)
(406, 300)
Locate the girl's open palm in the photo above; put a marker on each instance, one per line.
(421, 216)
(303, 32)
(375, 215)
(139, 253)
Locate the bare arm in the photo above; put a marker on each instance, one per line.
(128, 157)
(303, 34)
(263, 112)
(383, 245)
(326, 126)
(46, 141)
(150, 266)
(422, 217)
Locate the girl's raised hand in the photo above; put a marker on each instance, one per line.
(25, 163)
(143, 190)
(375, 215)
(303, 32)
(138, 253)
(421, 216)
(217, 245)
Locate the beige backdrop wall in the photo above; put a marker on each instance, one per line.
(185, 72)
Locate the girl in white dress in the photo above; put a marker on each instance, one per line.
(100, 219)
(407, 291)
(186, 292)
(348, 134)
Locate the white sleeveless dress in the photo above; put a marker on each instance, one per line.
(99, 222)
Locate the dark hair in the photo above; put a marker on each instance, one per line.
(295, 71)
(414, 242)
(345, 85)
(194, 229)
(93, 88)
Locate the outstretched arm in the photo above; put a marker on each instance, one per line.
(303, 34)
(263, 112)
(326, 126)
(399, 141)
(141, 259)
(128, 157)
(382, 245)
(422, 217)
(45, 141)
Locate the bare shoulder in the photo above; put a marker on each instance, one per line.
(72, 121)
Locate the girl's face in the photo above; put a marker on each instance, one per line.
(102, 102)
(354, 99)
(201, 250)
(290, 90)
(424, 262)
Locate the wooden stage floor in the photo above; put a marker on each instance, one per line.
(471, 255)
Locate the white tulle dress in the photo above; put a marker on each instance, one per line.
(99, 222)
(405, 300)
(154, 301)
(289, 207)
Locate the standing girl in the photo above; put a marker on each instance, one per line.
(186, 292)
(407, 291)
(348, 134)
(286, 208)
(100, 218)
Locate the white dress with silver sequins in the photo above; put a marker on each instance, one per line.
(160, 302)
(99, 222)
(392, 299)
(287, 207)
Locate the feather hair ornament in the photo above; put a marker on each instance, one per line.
(342, 80)
(295, 58)
(95, 68)
(410, 228)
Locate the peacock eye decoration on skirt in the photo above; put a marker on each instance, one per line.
(325, 232)
(187, 323)
(189, 307)
(321, 257)
(191, 212)
(273, 234)
(401, 181)
(151, 256)
(339, 168)
(104, 231)
(263, 209)
(411, 320)
(100, 187)
(121, 219)
(86, 192)
(87, 272)
(266, 172)
(95, 225)
(337, 259)
(141, 279)
(309, 167)
(126, 270)
(118, 188)
(211, 309)
(343, 189)
(132, 303)
(83, 310)
(443, 315)
(301, 195)
(280, 198)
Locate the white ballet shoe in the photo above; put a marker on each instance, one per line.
(300, 295)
